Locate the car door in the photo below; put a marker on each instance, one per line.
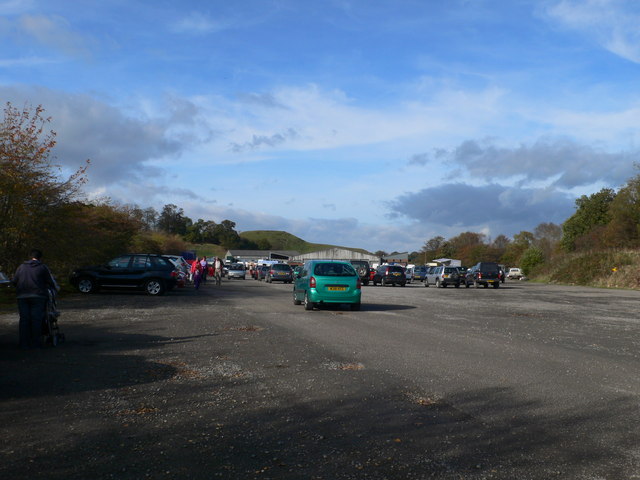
(115, 272)
(301, 282)
(138, 268)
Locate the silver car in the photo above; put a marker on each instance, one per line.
(236, 270)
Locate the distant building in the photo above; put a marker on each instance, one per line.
(402, 258)
(253, 256)
(335, 254)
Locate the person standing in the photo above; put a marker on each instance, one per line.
(204, 266)
(196, 273)
(218, 270)
(32, 281)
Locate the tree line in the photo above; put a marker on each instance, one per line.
(605, 220)
(40, 209)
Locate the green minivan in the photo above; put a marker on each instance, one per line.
(327, 281)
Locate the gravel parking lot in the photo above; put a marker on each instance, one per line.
(526, 381)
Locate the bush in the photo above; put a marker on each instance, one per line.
(596, 268)
(531, 258)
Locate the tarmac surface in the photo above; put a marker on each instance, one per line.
(526, 381)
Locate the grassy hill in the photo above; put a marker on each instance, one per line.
(280, 240)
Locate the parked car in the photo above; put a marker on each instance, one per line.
(485, 274)
(515, 274)
(390, 275)
(279, 272)
(442, 276)
(179, 262)
(151, 273)
(327, 281)
(236, 270)
(183, 267)
(503, 273)
(261, 272)
(462, 273)
(419, 272)
(408, 272)
(363, 268)
(296, 270)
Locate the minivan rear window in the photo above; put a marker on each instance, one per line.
(334, 270)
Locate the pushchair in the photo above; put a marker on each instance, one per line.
(50, 331)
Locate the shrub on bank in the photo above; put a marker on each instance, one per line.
(608, 268)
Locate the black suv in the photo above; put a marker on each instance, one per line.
(483, 273)
(390, 275)
(363, 268)
(151, 273)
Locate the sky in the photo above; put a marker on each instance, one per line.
(374, 124)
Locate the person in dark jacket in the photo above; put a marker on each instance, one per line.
(32, 281)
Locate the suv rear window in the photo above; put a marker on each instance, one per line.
(334, 270)
(451, 270)
(489, 267)
(280, 267)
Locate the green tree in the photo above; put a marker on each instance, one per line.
(227, 235)
(531, 258)
(623, 229)
(591, 212)
(173, 220)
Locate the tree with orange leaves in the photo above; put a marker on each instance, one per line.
(32, 195)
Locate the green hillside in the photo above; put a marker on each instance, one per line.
(280, 240)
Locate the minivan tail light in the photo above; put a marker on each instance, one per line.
(479, 274)
(359, 285)
(312, 282)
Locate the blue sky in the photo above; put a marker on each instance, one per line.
(364, 123)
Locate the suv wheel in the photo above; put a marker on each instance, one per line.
(154, 287)
(86, 285)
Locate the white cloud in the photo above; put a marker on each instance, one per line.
(13, 7)
(55, 32)
(612, 23)
(197, 23)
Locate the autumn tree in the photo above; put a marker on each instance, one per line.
(34, 199)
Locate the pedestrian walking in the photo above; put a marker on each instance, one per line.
(32, 281)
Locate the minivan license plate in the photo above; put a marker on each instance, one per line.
(336, 289)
